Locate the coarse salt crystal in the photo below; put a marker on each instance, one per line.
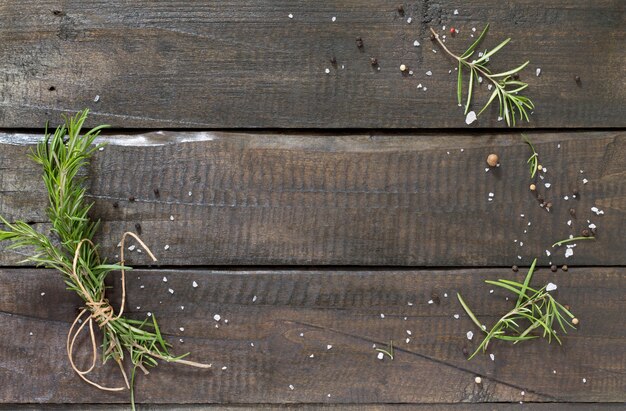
(430, 301)
(329, 346)
(182, 328)
(569, 223)
(171, 291)
(548, 253)
(416, 43)
(550, 287)
(382, 315)
(547, 185)
(194, 284)
(585, 181)
(491, 194)
(172, 218)
(569, 252)
(456, 12)
(224, 368)
(327, 71)
(470, 335)
(538, 71)
(592, 225)
(597, 210)
(470, 118)
(456, 316)
(409, 20)
(131, 248)
(429, 73)
(408, 340)
(333, 18)
(380, 355)
(164, 279)
(290, 16)
(96, 98)
(584, 381)
(254, 298)
(167, 247)
(291, 387)
(217, 317)
(493, 357)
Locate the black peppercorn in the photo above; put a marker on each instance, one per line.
(131, 199)
(115, 204)
(515, 76)
(333, 60)
(359, 42)
(374, 61)
(577, 79)
(156, 192)
(432, 37)
(514, 268)
(465, 352)
(585, 233)
(401, 10)
(575, 192)
(572, 212)
(138, 228)
(553, 268)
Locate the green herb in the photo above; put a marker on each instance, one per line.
(569, 240)
(388, 351)
(535, 309)
(72, 252)
(533, 160)
(506, 87)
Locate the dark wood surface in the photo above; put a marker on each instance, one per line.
(246, 64)
(298, 313)
(369, 199)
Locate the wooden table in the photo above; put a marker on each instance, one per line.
(323, 207)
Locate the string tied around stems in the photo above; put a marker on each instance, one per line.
(100, 311)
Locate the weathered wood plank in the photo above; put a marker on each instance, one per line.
(240, 63)
(277, 199)
(307, 407)
(267, 342)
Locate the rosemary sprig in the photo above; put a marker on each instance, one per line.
(61, 156)
(534, 307)
(569, 240)
(533, 160)
(506, 86)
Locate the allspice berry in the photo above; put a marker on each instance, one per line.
(564, 268)
(492, 160)
(539, 167)
(533, 187)
(575, 321)
(479, 380)
(402, 67)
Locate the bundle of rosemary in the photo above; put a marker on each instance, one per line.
(72, 252)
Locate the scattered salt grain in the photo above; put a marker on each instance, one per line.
(131, 248)
(290, 16)
(456, 12)
(585, 181)
(381, 356)
(456, 316)
(224, 368)
(566, 198)
(416, 43)
(569, 252)
(470, 118)
(171, 218)
(409, 304)
(329, 346)
(42, 294)
(478, 380)
(408, 332)
(569, 223)
(189, 194)
(171, 291)
(167, 247)
(217, 317)
(149, 314)
(333, 19)
(470, 335)
(430, 301)
(550, 287)
(164, 279)
(30, 333)
(493, 357)
(194, 284)
(597, 210)
(429, 73)
(409, 20)
(500, 118)
(584, 381)
(547, 185)
(489, 87)
(327, 71)
(291, 387)
(382, 315)
(474, 29)
(254, 298)
(592, 226)
(419, 85)
(182, 328)
(491, 194)
(490, 291)
(96, 98)
(548, 253)
(538, 71)
(312, 356)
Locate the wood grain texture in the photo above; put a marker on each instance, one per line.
(190, 64)
(294, 199)
(267, 342)
(311, 407)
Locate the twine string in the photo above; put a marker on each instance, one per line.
(100, 311)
